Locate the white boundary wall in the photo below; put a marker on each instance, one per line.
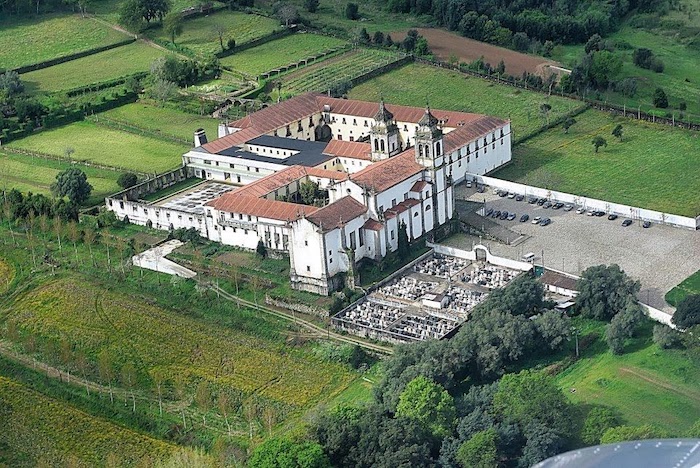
(472, 255)
(591, 203)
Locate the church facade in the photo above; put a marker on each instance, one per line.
(382, 167)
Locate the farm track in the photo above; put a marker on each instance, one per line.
(317, 331)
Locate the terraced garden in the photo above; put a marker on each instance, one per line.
(108, 65)
(25, 41)
(28, 174)
(329, 73)
(412, 84)
(103, 145)
(200, 36)
(175, 349)
(280, 52)
(651, 167)
(41, 431)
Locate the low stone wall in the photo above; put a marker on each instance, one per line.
(154, 184)
(590, 203)
(296, 306)
(473, 256)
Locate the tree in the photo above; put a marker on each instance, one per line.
(131, 15)
(283, 453)
(479, 451)
(352, 11)
(162, 90)
(542, 442)
(126, 180)
(220, 32)
(599, 141)
(404, 248)
(261, 249)
(521, 42)
(617, 132)
(378, 38)
(422, 47)
(10, 83)
(308, 191)
(660, 98)
(544, 110)
(428, 403)
(623, 325)
(388, 41)
(364, 36)
(311, 5)
(688, 312)
(73, 184)
(598, 420)
(568, 122)
(603, 291)
(626, 433)
(288, 14)
(666, 337)
(173, 25)
(523, 296)
(554, 328)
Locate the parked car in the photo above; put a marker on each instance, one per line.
(502, 193)
(511, 195)
(532, 200)
(547, 204)
(504, 215)
(599, 213)
(557, 205)
(545, 222)
(488, 212)
(626, 222)
(481, 188)
(646, 224)
(519, 197)
(590, 212)
(469, 184)
(524, 218)
(511, 216)
(536, 219)
(568, 207)
(496, 214)
(541, 201)
(612, 217)
(580, 211)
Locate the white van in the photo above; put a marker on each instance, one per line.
(528, 257)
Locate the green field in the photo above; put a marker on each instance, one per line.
(42, 431)
(646, 385)
(25, 41)
(114, 63)
(690, 285)
(28, 174)
(199, 35)
(444, 89)
(280, 52)
(652, 167)
(160, 120)
(103, 145)
(323, 76)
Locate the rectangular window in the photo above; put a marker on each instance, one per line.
(308, 268)
(427, 194)
(306, 243)
(361, 235)
(330, 252)
(353, 244)
(405, 196)
(393, 202)
(392, 234)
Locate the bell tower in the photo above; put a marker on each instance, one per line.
(384, 135)
(429, 145)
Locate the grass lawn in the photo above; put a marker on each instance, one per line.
(25, 41)
(45, 430)
(114, 63)
(280, 52)
(28, 174)
(646, 385)
(104, 145)
(163, 120)
(653, 167)
(444, 89)
(199, 35)
(690, 285)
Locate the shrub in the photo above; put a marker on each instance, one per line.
(352, 12)
(688, 312)
(126, 180)
(597, 422)
(660, 98)
(666, 337)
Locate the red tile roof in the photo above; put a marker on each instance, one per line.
(336, 214)
(419, 186)
(373, 225)
(385, 174)
(480, 127)
(326, 173)
(272, 182)
(401, 207)
(349, 149)
(232, 202)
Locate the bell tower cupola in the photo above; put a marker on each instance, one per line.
(384, 135)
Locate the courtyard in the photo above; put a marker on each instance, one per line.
(660, 256)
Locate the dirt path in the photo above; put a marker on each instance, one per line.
(635, 372)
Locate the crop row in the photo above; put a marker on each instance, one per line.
(168, 347)
(61, 435)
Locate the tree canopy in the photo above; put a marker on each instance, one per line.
(428, 403)
(72, 183)
(480, 451)
(283, 453)
(603, 291)
(688, 312)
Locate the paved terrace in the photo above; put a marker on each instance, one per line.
(194, 199)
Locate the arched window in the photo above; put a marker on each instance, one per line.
(381, 143)
(437, 148)
(420, 151)
(376, 145)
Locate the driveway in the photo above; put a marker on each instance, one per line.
(154, 259)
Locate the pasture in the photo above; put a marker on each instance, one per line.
(200, 34)
(31, 174)
(327, 74)
(103, 145)
(161, 120)
(107, 65)
(690, 285)
(7, 274)
(25, 41)
(173, 348)
(413, 84)
(652, 167)
(281, 52)
(645, 385)
(42, 431)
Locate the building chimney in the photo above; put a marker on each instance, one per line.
(200, 137)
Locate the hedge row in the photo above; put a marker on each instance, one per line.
(256, 42)
(92, 87)
(68, 58)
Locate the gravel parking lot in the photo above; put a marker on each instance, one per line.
(660, 256)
